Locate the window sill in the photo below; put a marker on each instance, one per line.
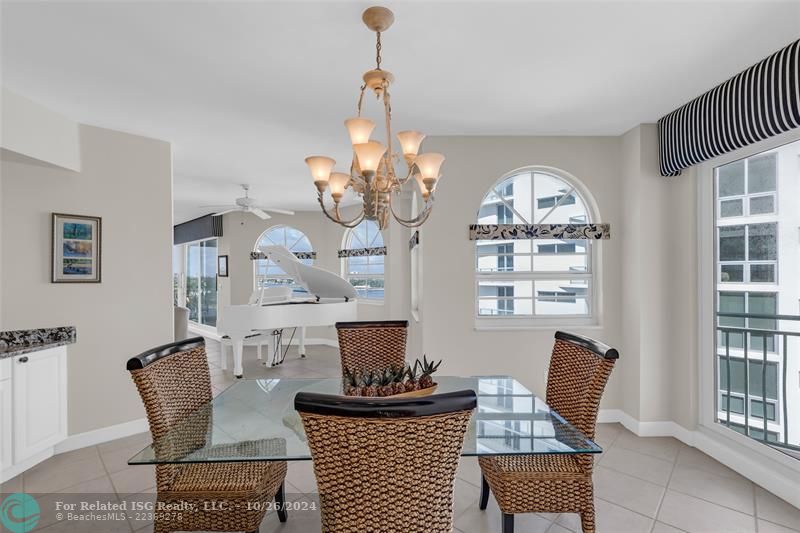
(370, 301)
(543, 325)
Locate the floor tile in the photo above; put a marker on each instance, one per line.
(695, 458)
(661, 527)
(609, 518)
(735, 493)
(12, 485)
(134, 479)
(627, 491)
(699, 516)
(139, 439)
(768, 527)
(469, 470)
(52, 476)
(489, 521)
(301, 475)
(117, 459)
(646, 467)
(665, 448)
(770, 507)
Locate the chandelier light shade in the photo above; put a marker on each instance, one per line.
(359, 129)
(372, 173)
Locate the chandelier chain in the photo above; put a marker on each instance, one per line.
(378, 50)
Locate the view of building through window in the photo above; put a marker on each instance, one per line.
(194, 280)
(533, 277)
(758, 296)
(365, 273)
(267, 273)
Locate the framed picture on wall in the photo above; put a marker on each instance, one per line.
(76, 249)
(222, 266)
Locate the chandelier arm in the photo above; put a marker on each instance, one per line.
(417, 220)
(336, 217)
(387, 109)
(360, 100)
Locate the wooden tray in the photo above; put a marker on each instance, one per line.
(415, 393)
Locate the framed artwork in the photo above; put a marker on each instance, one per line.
(222, 266)
(76, 249)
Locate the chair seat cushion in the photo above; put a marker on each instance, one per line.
(228, 479)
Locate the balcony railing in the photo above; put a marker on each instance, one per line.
(767, 346)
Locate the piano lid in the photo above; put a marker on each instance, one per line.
(316, 281)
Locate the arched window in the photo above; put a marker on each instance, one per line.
(541, 280)
(266, 273)
(365, 273)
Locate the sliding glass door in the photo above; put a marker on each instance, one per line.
(757, 296)
(195, 280)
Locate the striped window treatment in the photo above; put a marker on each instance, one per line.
(761, 102)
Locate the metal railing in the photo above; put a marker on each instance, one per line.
(774, 350)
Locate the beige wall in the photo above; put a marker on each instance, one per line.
(126, 180)
(473, 165)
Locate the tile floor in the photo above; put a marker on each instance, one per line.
(642, 485)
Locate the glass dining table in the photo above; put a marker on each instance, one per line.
(255, 420)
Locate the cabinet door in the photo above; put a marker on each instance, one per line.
(6, 430)
(40, 399)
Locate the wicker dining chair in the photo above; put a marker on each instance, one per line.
(174, 383)
(383, 464)
(579, 370)
(372, 345)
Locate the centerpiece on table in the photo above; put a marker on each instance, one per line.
(406, 381)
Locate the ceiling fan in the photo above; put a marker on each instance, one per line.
(246, 204)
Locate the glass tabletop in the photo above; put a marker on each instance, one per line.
(255, 420)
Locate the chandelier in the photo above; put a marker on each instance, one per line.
(372, 171)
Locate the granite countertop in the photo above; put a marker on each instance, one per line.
(21, 341)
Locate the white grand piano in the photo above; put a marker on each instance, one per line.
(330, 299)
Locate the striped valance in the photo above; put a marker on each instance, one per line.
(504, 232)
(300, 255)
(363, 252)
(414, 241)
(761, 102)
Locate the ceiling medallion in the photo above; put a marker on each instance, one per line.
(372, 171)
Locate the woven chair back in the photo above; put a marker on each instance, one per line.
(371, 346)
(174, 382)
(579, 370)
(378, 471)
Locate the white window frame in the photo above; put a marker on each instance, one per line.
(728, 439)
(593, 319)
(347, 245)
(276, 276)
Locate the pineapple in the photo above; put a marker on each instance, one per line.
(385, 380)
(428, 368)
(368, 387)
(350, 383)
(411, 383)
(398, 387)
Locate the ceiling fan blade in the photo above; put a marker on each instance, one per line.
(259, 213)
(279, 211)
(220, 213)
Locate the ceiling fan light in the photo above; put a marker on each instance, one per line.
(359, 129)
(369, 155)
(410, 141)
(429, 165)
(320, 167)
(338, 182)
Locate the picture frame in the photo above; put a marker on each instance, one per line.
(222, 266)
(76, 249)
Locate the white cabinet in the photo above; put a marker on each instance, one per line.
(39, 401)
(6, 420)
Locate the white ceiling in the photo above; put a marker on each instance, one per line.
(246, 90)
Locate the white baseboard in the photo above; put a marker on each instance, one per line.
(99, 436)
(758, 468)
(16, 469)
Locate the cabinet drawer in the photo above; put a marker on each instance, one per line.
(5, 368)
